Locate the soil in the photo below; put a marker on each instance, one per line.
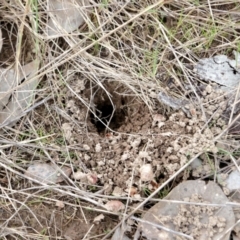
(110, 136)
(164, 140)
(53, 222)
(139, 137)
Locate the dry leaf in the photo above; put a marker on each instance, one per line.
(114, 206)
(98, 218)
(1, 40)
(47, 173)
(66, 16)
(17, 90)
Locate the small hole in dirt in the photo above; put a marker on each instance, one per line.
(110, 107)
(164, 19)
(223, 164)
(107, 117)
(105, 114)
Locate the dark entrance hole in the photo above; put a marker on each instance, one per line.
(108, 115)
(103, 114)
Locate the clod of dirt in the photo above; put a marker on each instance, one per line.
(146, 172)
(220, 69)
(60, 204)
(114, 206)
(198, 221)
(90, 178)
(98, 219)
(47, 173)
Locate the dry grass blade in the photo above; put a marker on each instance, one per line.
(163, 228)
(1, 40)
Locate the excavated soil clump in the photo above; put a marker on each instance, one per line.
(165, 140)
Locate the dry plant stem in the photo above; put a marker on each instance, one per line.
(56, 188)
(235, 162)
(24, 192)
(215, 167)
(20, 34)
(20, 203)
(234, 104)
(26, 111)
(96, 236)
(67, 56)
(161, 227)
(20, 232)
(128, 199)
(232, 227)
(85, 236)
(25, 142)
(229, 125)
(164, 30)
(154, 193)
(210, 9)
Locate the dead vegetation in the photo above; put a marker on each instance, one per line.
(89, 107)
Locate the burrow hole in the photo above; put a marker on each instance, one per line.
(108, 113)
